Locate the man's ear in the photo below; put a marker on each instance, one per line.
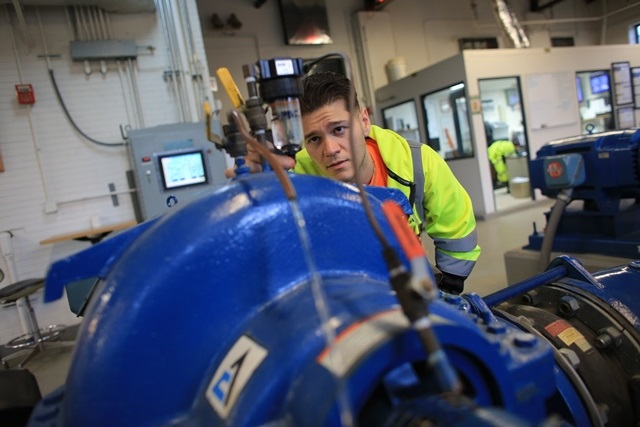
(365, 120)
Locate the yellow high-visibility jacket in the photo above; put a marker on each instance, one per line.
(497, 152)
(448, 211)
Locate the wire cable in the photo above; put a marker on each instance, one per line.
(319, 296)
(73, 123)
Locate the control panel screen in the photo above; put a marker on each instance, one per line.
(182, 169)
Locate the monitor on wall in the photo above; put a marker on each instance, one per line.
(513, 97)
(182, 169)
(579, 89)
(305, 22)
(599, 83)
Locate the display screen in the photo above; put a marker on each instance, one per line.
(579, 88)
(513, 98)
(182, 169)
(599, 83)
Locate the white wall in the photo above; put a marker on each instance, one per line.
(513, 62)
(55, 181)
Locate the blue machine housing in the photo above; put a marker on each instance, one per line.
(608, 222)
(209, 316)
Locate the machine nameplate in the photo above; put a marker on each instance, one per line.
(233, 374)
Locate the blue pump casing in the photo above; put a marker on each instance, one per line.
(608, 220)
(611, 164)
(209, 316)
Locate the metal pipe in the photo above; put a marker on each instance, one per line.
(622, 9)
(198, 81)
(130, 117)
(22, 21)
(165, 32)
(132, 113)
(103, 25)
(175, 51)
(510, 24)
(196, 98)
(603, 28)
(95, 23)
(524, 286)
(136, 93)
(102, 34)
(85, 12)
(34, 136)
(86, 35)
(96, 196)
(72, 27)
(79, 31)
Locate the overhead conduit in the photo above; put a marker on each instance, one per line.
(111, 6)
(510, 24)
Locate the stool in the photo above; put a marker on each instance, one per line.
(37, 339)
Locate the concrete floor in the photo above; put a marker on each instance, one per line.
(497, 234)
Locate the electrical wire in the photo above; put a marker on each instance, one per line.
(73, 123)
(319, 297)
(413, 303)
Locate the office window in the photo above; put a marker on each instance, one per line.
(403, 119)
(478, 43)
(637, 33)
(447, 120)
(562, 41)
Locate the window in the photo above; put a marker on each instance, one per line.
(562, 41)
(447, 121)
(402, 118)
(478, 43)
(637, 33)
(594, 100)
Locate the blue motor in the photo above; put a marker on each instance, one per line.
(212, 316)
(603, 172)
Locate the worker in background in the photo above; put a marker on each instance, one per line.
(497, 150)
(383, 158)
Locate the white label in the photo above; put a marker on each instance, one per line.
(233, 374)
(357, 340)
(284, 67)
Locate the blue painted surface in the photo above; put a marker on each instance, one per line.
(610, 163)
(178, 293)
(608, 221)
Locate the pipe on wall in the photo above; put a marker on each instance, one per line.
(114, 6)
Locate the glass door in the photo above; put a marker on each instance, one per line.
(507, 146)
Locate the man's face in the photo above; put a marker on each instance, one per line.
(326, 136)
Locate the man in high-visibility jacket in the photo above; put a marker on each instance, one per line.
(381, 157)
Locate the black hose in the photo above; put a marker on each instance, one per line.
(562, 200)
(73, 123)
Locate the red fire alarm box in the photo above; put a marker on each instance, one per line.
(25, 94)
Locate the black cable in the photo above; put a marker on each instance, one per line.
(75, 126)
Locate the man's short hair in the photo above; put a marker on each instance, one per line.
(325, 88)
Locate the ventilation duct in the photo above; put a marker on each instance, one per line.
(510, 24)
(111, 6)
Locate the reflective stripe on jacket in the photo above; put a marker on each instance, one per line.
(447, 206)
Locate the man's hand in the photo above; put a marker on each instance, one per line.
(254, 162)
(451, 283)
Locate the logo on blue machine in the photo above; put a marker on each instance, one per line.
(233, 374)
